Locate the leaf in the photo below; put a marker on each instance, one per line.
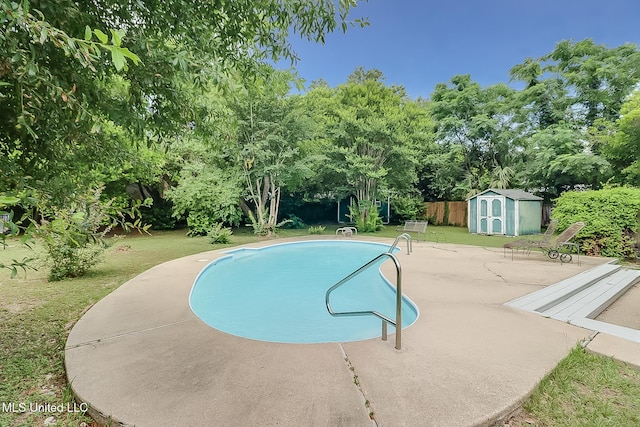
(43, 35)
(87, 33)
(118, 59)
(104, 39)
(116, 38)
(8, 201)
(127, 53)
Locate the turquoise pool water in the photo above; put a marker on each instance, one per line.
(277, 293)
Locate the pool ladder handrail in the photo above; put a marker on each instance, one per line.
(381, 316)
(405, 236)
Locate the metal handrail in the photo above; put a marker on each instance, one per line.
(381, 316)
(405, 236)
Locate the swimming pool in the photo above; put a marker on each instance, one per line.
(277, 293)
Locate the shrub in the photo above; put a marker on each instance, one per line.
(73, 236)
(206, 195)
(366, 217)
(316, 230)
(407, 208)
(610, 215)
(200, 223)
(294, 222)
(219, 234)
(159, 215)
(72, 240)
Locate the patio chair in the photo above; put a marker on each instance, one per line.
(527, 244)
(562, 246)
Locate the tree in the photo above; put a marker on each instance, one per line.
(376, 131)
(476, 120)
(207, 189)
(543, 102)
(265, 148)
(600, 77)
(58, 76)
(559, 160)
(620, 143)
(578, 83)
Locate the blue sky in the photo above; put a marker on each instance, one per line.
(419, 43)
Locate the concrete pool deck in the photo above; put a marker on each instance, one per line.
(141, 357)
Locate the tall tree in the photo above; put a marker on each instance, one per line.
(57, 75)
(620, 143)
(560, 160)
(477, 120)
(576, 83)
(266, 148)
(376, 131)
(600, 77)
(543, 102)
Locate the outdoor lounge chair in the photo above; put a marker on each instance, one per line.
(527, 244)
(561, 247)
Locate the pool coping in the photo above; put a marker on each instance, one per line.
(141, 357)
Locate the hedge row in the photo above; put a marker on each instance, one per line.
(611, 216)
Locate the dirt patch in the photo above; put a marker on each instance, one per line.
(17, 308)
(518, 418)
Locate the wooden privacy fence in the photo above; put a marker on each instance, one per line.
(447, 213)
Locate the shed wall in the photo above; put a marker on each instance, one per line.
(530, 216)
(473, 215)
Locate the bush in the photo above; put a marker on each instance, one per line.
(72, 240)
(316, 230)
(219, 234)
(407, 208)
(206, 195)
(294, 222)
(200, 223)
(365, 217)
(73, 237)
(159, 215)
(610, 215)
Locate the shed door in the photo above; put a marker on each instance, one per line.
(491, 215)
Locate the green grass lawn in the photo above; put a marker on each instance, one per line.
(36, 317)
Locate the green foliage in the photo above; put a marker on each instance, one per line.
(559, 160)
(199, 223)
(74, 108)
(219, 234)
(611, 217)
(73, 237)
(159, 215)
(407, 207)
(475, 119)
(72, 240)
(318, 229)
(295, 222)
(270, 127)
(371, 135)
(206, 195)
(620, 142)
(264, 228)
(365, 217)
